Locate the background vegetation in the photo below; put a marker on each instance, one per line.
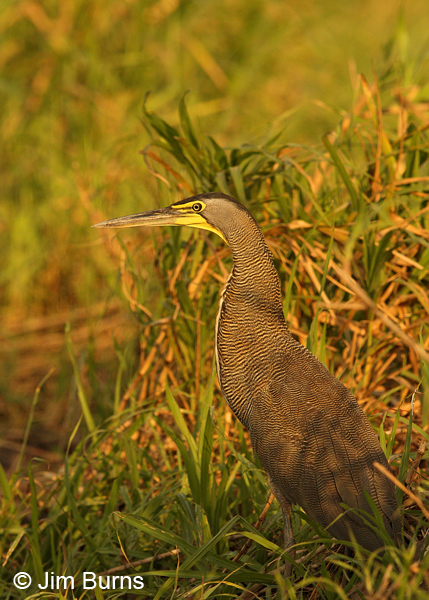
(168, 474)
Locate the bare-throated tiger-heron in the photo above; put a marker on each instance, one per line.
(308, 431)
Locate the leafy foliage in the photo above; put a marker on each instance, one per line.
(169, 483)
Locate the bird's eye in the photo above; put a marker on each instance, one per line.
(197, 206)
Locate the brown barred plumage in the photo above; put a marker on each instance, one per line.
(308, 431)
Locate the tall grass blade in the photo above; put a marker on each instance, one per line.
(186, 123)
(80, 391)
(425, 387)
(343, 173)
(237, 178)
(35, 539)
(31, 417)
(181, 424)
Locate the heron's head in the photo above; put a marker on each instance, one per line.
(214, 211)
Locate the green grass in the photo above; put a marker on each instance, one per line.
(73, 79)
(120, 502)
(167, 487)
(154, 470)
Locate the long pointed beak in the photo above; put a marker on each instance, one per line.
(159, 216)
(162, 216)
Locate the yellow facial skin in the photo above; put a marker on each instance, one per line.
(187, 215)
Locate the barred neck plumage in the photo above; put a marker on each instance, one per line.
(250, 310)
(253, 272)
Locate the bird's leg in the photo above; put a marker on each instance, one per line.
(289, 539)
